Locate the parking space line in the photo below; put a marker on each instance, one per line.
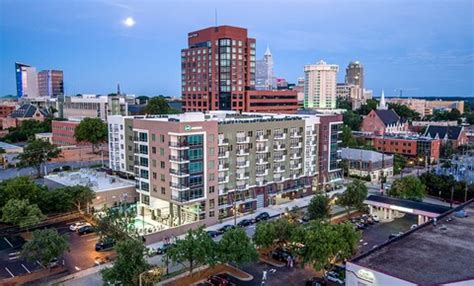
(9, 272)
(93, 239)
(39, 263)
(11, 245)
(24, 267)
(77, 268)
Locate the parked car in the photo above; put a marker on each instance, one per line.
(53, 263)
(75, 226)
(393, 235)
(105, 243)
(164, 248)
(315, 281)
(225, 228)
(227, 277)
(359, 226)
(245, 222)
(375, 218)
(413, 226)
(280, 254)
(334, 277)
(217, 281)
(213, 233)
(305, 218)
(101, 260)
(85, 229)
(262, 216)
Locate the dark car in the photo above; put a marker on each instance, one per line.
(105, 243)
(213, 233)
(217, 281)
(280, 254)
(227, 277)
(315, 281)
(85, 230)
(244, 222)
(225, 228)
(262, 216)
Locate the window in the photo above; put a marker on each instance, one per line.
(162, 151)
(153, 163)
(153, 137)
(162, 164)
(163, 191)
(212, 214)
(162, 177)
(211, 189)
(154, 175)
(212, 204)
(211, 151)
(211, 177)
(153, 150)
(195, 167)
(162, 138)
(211, 164)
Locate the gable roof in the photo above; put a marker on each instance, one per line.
(453, 132)
(387, 116)
(26, 111)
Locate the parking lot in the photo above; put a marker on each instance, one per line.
(11, 264)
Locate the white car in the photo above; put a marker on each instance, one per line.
(413, 226)
(77, 225)
(375, 218)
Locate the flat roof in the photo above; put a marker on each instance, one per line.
(6, 146)
(427, 207)
(97, 181)
(430, 254)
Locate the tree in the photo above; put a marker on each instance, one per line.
(159, 105)
(236, 247)
(370, 105)
(348, 139)
(352, 119)
(130, 263)
(81, 196)
(27, 130)
(21, 213)
(343, 103)
(354, 196)
(319, 208)
(325, 244)
(469, 117)
(115, 224)
(21, 187)
(37, 153)
(91, 130)
(409, 187)
(399, 163)
(454, 114)
(196, 248)
(45, 245)
(404, 111)
(265, 234)
(56, 201)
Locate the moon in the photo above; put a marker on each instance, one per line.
(129, 22)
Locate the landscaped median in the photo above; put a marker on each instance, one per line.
(204, 272)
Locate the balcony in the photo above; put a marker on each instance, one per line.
(240, 187)
(295, 135)
(242, 152)
(223, 142)
(242, 164)
(279, 170)
(242, 176)
(280, 159)
(223, 179)
(179, 159)
(179, 145)
(223, 167)
(242, 140)
(295, 166)
(262, 150)
(261, 161)
(223, 155)
(261, 138)
(295, 156)
(262, 173)
(179, 187)
(280, 136)
(279, 147)
(179, 173)
(295, 146)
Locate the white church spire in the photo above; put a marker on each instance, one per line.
(267, 52)
(382, 104)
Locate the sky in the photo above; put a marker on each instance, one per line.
(424, 47)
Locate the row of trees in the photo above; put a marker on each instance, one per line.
(27, 130)
(409, 187)
(443, 186)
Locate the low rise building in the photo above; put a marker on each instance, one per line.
(45, 136)
(439, 252)
(454, 135)
(63, 132)
(271, 101)
(417, 126)
(428, 107)
(9, 154)
(368, 164)
(24, 112)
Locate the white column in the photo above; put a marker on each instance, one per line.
(420, 219)
(371, 209)
(384, 213)
(390, 212)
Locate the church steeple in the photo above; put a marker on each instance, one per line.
(267, 52)
(382, 104)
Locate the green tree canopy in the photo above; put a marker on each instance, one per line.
(130, 263)
(81, 196)
(275, 231)
(236, 247)
(348, 139)
(319, 207)
(21, 213)
(352, 119)
(370, 105)
(196, 248)
(91, 130)
(343, 103)
(159, 105)
(115, 224)
(404, 111)
(45, 245)
(409, 187)
(21, 187)
(37, 153)
(27, 130)
(399, 163)
(354, 195)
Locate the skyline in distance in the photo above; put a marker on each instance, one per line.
(426, 48)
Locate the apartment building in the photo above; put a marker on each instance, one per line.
(320, 85)
(195, 168)
(427, 107)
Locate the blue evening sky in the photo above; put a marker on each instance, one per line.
(425, 46)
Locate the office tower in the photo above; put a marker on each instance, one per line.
(320, 85)
(26, 81)
(216, 68)
(264, 77)
(355, 74)
(50, 83)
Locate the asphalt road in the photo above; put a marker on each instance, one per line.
(15, 172)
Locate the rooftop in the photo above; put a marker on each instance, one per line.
(6, 146)
(363, 155)
(444, 132)
(430, 254)
(97, 181)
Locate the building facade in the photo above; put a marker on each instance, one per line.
(91, 105)
(454, 135)
(367, 164)
(272, 101)
(320, 85)
(264, 79)
(50, 83)
(355, 74)
(195, 168)
(63, 132)
(216, 68)
(26, 81)
(428, 107)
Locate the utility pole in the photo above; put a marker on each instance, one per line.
(383, 161)
(452, 194)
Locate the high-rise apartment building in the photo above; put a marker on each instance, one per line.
(264, 78)
(216, 69)
(26, 81)
(355, 74)
(50, 83)
(195, 168)
(320, 85)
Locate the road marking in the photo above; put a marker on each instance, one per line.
(13, 257)
(39, 263)
(14, 253)
(24, 267)
(93, 239)
(77, 268)
(11, 245)
(9, 272)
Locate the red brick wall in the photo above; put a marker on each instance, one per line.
(63, 132)
(271, 101)
(372, 123)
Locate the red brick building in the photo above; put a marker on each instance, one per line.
(383, 121)
(63, 132)
(24, 112)
(454, 135)
(271, 101)
(218, 73)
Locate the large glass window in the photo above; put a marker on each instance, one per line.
(195, 154)
(194, 140)
(195, 167)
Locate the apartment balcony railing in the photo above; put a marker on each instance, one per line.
(297, 145)
(242, 152)
(262, 173)
(262, 150)
(279, 170)
(279, 147)
(295, 135)
(223, 167)
(179, 159)
(280, 136)
(223, 154)
(242, 176)
(241, 164)
(244, 139)
(223, 142)
(279, 159)
(179, 187)
(223, 179)
(261, 138)
(179, 173)
(179, 145)
(261, 161)
(295, 156)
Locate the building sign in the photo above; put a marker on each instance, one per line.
(193, 35)
(187, 127)
(366, 275)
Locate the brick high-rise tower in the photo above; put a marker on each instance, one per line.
(217, 68)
